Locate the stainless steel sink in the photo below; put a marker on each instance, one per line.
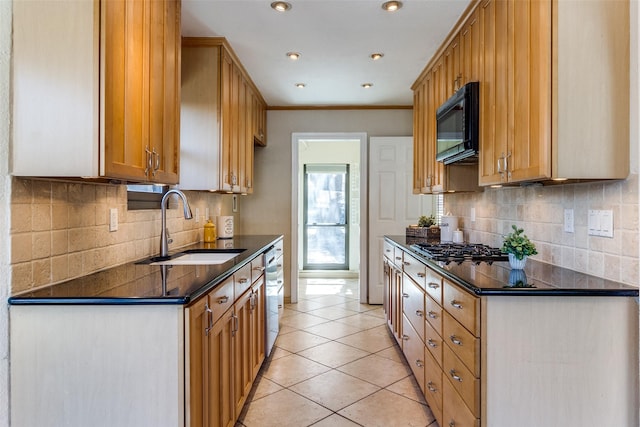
(195, 258)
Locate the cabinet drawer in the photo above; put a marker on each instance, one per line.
(242, 279)
(454, 411)
(462, 380)
(279, 247)
(433, 342)
(415, 269)
(413, 305)
(463, 344)
(388, 250)
(413, 349)
(432, 382)
(398, 256)
(433, 314)
(257, 268)
(221, 299)
(463, 306)
(433, 285)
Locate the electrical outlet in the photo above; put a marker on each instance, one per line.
(568, 221)
(473, 214)
(113, 219)
(206, 214)
(234, 201)
(197, 215)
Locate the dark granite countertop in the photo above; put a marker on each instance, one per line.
(538, 278)
(141, 283)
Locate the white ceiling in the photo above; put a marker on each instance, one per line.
(335, 39)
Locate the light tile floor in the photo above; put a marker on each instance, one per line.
(335, 364)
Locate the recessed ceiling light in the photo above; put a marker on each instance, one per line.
(300, 85)
(281, 6)
(376, 56)
(293, 55)
(367, 85)
(391, 6)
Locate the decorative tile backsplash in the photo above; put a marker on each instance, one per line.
(60, 230)
(540, 211)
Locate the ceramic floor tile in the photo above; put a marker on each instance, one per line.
(284, 329)
(335, 420)
(334, 390)
(362, 321)
(299, 340)
(378, 312)
(278, 352)
(290, 370)
(302, 320)
(384, 409)
(408, 387)
(332, 313)
(333, 330)
(359, 307)
(394, 353)
(371, 340)
(283, 409)
(305, 305)
(376, 370)
(333, 354)
(329, 300)
(263, 387)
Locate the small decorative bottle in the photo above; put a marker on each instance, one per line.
(209, 232)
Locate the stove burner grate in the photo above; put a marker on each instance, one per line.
(455, 252)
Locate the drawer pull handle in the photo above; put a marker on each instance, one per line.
(422, 275)
(405, 337)
(419, 313)
(419, 363)
(455, 340)
(433, 285)
(388, 250)
(455, 375)
(433, 314)
(452, 424)
(223, 300)
(399, 258)
(407, 263)
(405, 295)
(456, 304)
(258, 268)
(431, 387)
(431, 343)
(243, 280)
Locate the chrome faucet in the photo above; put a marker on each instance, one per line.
(164, 233)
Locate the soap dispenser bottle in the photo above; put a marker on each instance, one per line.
(209, 232)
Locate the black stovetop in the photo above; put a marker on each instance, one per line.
(460, 252)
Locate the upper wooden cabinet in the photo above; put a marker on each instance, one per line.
(221, 114)
(554, 81)
(97, 99)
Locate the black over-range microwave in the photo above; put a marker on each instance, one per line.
(457, 123)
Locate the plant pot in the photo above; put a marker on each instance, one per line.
(518, 278)
(515, 263)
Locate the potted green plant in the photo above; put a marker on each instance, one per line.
(426, 221)
(425, 229)
(519, 247)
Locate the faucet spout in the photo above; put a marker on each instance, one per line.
(164, 244)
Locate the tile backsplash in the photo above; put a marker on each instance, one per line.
(60, 230)
(540, 211)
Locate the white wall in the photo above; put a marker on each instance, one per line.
(268, 211)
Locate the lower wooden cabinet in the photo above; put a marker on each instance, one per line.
(226, 351)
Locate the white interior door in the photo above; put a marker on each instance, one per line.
(392, 204)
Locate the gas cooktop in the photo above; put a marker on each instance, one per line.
(460, 252)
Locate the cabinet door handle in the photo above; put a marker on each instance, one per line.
(243, 280)
(421, 275)
(155, 155)
(209, 314)
(407, 263)
(431, 387)
(452, 424)
(405, 295)
(433, 315)
(431, 343)
(419, 363)
(419, 313)
(252, 300)
(455, 340)
(399, 258)
(455, 375)
(456, 304)
(149, 161)
(223, 300)
(433, 285)
(236, 324)
(405, 337)
(499, 165)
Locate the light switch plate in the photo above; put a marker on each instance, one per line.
(473, 214)
(113, 219)
(600, 223)
(568, 221)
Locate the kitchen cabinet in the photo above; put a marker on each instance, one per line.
(103, 106)
(221, 114)
(393, 291)
(535, 119)
(479, 358)
(226, 346)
